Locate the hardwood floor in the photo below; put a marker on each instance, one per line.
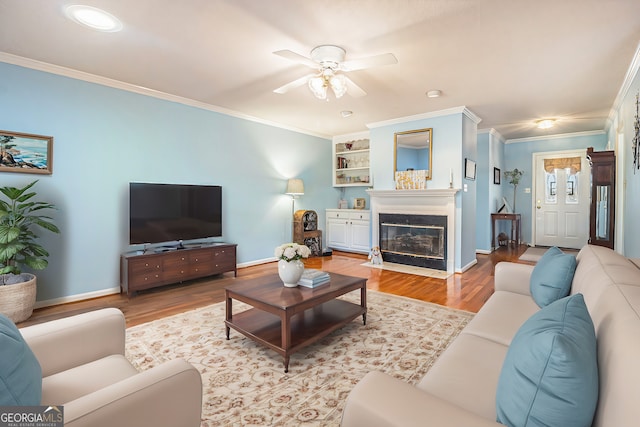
(467, 291)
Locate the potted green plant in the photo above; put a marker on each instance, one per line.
(19, 216)
(514, 179)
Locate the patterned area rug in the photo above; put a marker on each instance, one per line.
(245, 384)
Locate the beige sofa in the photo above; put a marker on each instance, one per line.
(460, 389)
(85, 370)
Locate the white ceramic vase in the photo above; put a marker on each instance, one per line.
(290, 272)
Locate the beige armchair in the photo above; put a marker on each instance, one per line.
(85, 370)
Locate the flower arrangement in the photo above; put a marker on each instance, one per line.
(292, 251)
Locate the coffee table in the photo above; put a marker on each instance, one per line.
(288, 319)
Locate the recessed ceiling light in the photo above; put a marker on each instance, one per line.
(346, 113)
(434, 93)
(94, 18)
(545, 123)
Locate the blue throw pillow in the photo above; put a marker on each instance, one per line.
(550, 374)
(552, 276)
(20, 372)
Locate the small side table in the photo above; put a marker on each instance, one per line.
(515, 227)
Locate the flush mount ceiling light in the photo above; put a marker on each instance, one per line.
(94, 18)
(545, 123)
(434, 93)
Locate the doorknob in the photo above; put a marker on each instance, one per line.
(538, 205)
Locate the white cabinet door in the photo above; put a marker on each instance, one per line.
(360, 235)
(337, 233)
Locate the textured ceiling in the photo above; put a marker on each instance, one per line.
(510, 62)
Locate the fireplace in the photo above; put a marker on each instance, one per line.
(439, 205)
(418, 240)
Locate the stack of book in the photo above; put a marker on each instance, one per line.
(312, 278)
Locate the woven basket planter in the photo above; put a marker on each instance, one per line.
(17, 300)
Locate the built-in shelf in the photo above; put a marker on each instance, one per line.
(351, 163)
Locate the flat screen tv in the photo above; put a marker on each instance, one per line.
(173, 212)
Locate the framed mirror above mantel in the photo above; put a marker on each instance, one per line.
(412, 151)
(412, 158)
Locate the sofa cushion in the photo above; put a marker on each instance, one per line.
(467, 374)
(501, 316)
(551, 277)
(20, 373)
(550, 372)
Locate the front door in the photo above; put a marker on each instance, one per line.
(561, 199)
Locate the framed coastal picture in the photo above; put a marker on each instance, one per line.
(26, 153)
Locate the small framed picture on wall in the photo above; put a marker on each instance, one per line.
(469, 169)
(496, 176)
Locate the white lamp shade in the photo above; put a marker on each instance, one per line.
(295, 187)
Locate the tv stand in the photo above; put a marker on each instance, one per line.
(150, 270)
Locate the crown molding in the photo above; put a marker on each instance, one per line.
(440, 113)
(141, 90)
(556, 136)
(494, 133)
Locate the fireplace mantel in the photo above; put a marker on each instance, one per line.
(437, 192)
(429, 201)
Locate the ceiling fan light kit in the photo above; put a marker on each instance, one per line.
(329, 60)
(319, 84)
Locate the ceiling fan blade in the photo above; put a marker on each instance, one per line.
(371, 61)
(353, 89)
(294, 84)
(296, 57)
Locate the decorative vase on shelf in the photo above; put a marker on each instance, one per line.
(290, 272)
(290, 268)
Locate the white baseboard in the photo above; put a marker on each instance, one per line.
(466, 267)
(116, 290)
(257, 262)
(77, 297)
(483, 251)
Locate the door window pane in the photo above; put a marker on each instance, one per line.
(551, 188)
(572, 187)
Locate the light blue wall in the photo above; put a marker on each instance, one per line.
(623, 132)
(485, 181)
(454, 138)
(490, 155)
(447, 151)
(467, 199)
(105, 138)
(520, 155)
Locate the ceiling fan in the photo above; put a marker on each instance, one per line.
(329, 62)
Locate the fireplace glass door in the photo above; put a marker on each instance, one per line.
(418, 240)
